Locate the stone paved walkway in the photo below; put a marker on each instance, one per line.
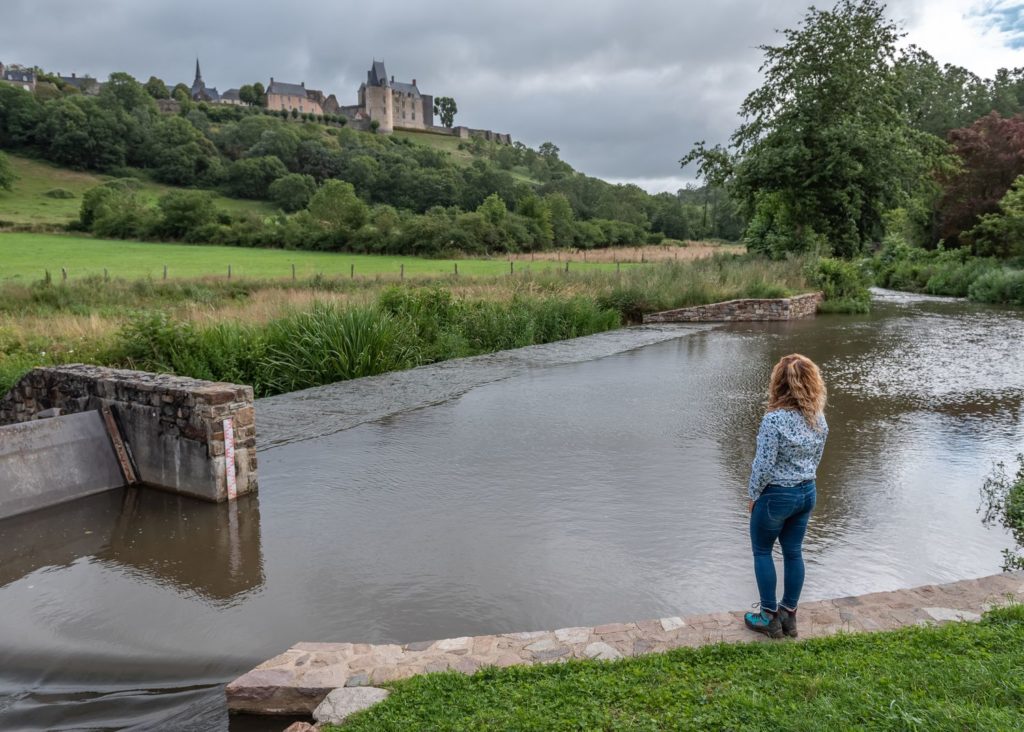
(298, 679)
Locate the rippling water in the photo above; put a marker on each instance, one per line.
(605, 490)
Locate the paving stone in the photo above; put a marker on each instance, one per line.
(534, 635)
(614, 628)
(545, 644)
(551, 654)
(673, 623)
(945, 614)
(341, 703)
(601, 651)
(453, 645)
(573, 635)
(301, 727)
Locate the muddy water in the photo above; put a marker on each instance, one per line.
(562, 494)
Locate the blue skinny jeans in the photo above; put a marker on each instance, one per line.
(781, 513)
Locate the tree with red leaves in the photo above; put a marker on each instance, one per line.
(991, 153)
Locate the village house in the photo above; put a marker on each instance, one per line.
(18, 76)
(85, 84)
(284, 96)
(232, 96)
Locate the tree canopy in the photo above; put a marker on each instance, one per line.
(824, 149)
(446, 109)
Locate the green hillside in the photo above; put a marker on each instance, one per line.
(29, 202)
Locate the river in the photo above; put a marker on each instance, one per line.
(532, 494)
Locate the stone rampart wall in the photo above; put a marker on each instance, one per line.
(786, 308)
(173, 425)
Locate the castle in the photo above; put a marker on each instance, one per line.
(384, 104)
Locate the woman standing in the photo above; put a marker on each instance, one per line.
(789, 446)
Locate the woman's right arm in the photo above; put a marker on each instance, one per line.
(764, 459)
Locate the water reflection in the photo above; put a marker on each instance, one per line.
(211, 551)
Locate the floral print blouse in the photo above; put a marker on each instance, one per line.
(788, 450)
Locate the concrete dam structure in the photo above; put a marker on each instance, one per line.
(72, 431)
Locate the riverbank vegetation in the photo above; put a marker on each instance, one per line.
(1002, 504)
(954, 677)
(266, 332)
(856, 139)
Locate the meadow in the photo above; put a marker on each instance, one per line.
(27, 256)
(49, 195)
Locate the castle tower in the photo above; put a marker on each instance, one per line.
(388, 123)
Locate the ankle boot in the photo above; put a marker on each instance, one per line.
(788, 621)
(765, 622)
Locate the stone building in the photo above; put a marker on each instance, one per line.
(18, 76)
(232, 96)
(394, 104)
(85, 84)
(200, 92)
(284, 96)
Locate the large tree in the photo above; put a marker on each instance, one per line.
(824, 149)
(446, 109)
(991, 152)
(157, 89)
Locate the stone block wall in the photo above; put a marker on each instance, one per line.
(173, 425)
(786, 308)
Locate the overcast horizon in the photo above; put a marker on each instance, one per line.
(623, 89)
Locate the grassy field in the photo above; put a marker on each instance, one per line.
(29, 204)
(962, 676)
(25, 256)
(459, 156)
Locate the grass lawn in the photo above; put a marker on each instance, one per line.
(28, 204)
(444, 143)
(961, 676)
(25, 257)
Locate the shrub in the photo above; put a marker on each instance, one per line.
(61, 193)
(186, 214)
(293, 191)
(844, 284)
(1003, 503)
(252, 177)
(1000, 286)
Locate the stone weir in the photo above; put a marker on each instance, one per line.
(183, 435)
(784, 308)
(299, 679)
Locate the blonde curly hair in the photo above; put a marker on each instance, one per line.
(796, 384)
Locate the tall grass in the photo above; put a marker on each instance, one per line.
(346, 329)
(329, 343)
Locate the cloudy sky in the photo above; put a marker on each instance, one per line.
(623, 87)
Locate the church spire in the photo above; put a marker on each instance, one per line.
(199, 76)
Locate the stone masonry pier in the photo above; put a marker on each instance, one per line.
(296, 681)
(184, 435)
(784, 308)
